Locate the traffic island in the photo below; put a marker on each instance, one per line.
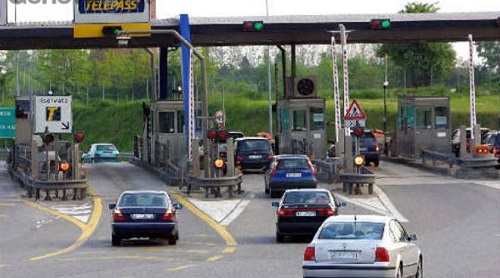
(352, 183)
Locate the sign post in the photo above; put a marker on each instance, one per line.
(53, 114)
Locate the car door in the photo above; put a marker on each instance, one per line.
(406, 249)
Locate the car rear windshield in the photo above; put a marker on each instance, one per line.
(306, 197)
(293, 163)
(142, 200)
(254, 145)
(352, 230)
(106, 148)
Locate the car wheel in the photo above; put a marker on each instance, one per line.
(172, 240)
(115, 241)
(280, 237)
(376, 162)
(420, 269)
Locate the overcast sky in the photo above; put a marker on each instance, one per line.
(62, 10)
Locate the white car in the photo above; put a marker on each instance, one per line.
(362, 246)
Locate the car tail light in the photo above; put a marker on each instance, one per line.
(168, 216)
(310, 254)
(496, 151)
(239, 158)
(381, 255)
(328, 211)
(118, 216)
(377, 148)
(273, 168)
(270, 157)
(284, 212)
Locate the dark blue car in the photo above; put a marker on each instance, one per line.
(144, 214)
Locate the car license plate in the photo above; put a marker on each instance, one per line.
(138, 216)
(305, 213)
(351, 255)
(293, 175)
(255, 156)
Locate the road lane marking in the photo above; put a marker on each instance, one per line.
(87, 229)
(228, 238)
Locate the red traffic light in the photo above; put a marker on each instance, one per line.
(78, 136)
(358, 131)
(212, 134)
(48, 138)
(222, 135)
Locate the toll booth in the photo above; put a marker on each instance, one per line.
(168, 142)
(423, 123)
(301, 126)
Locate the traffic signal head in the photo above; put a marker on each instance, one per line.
(218, 135)
(380, 24)
(253, 26)
(111, 30)
(48, 138)
(358, 131)
(78, 137)
(64, 166)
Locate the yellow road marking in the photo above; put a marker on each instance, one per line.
(228, 238)
(215, 258)
(148, 258)
(181, 267)
(87, 229)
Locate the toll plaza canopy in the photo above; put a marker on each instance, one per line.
(276, 30)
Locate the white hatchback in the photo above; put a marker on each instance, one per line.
(362, 246)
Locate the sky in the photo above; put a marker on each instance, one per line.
(62, 10)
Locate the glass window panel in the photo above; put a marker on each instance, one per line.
(424, 118)
(166, 122)
(299, 120)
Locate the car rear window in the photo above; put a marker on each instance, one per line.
(106, 148)
(142, 200)
(254, 145)
(306, 197)
(352, 230)
(284, 164)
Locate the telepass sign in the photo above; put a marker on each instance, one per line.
(53, 114)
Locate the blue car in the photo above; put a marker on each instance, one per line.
(102, 152)
(288, 171)
(144, 214)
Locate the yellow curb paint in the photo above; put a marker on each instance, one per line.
(228, 238)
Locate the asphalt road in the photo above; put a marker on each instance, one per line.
(457, 223)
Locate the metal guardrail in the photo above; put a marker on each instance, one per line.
(352, 182)
(214, 185)
(329, 168)
(449, 158)
(478, 162)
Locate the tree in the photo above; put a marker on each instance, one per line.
(490, 51)
(425, 63)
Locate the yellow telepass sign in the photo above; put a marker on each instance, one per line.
(111, 11)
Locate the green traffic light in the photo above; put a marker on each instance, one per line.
(385, 24)
(258, 26)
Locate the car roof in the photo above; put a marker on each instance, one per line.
(279, 156)
(360, 218)
(250, 138)
(103, 144)
(144, 192)
(307, 190)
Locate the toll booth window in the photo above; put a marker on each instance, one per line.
(317, 119)
(180, 122)
(424, 118)
(166, 122)
(441, 117)
(299, 120)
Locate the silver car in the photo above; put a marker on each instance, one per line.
(362, 246)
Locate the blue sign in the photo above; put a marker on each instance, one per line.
(7, 122)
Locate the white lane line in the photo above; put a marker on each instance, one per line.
(235, 212)
(388, 204)
(372, 204)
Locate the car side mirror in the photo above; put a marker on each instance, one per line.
(112, 206)
(178, 206)
(412, 237)
(341, 204)
(275, 204)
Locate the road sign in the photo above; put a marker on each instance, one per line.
(350, 123)
(117, 11)
(354, 113)
(7, 122)
(53, 114)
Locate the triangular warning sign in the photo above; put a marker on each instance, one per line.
(354, 113)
